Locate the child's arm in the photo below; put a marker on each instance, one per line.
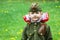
(27, 19)
(24, 35)
(45, 17)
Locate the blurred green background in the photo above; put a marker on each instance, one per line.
(12, 12)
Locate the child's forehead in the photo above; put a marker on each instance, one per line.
(36, 12)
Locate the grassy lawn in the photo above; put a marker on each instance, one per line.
(12, 23)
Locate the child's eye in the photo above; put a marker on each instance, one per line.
(37, 13)
(32, 13)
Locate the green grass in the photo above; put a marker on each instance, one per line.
(12, 23)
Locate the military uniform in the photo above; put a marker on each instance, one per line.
(31, 32)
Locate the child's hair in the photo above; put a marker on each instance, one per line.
(35, 7)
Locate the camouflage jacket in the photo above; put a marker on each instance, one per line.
(31, 32)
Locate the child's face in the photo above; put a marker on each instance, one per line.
(35, 16)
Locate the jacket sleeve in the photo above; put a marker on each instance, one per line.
(26, 18)
(48, 35)
(24, 36)
(45, 17)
